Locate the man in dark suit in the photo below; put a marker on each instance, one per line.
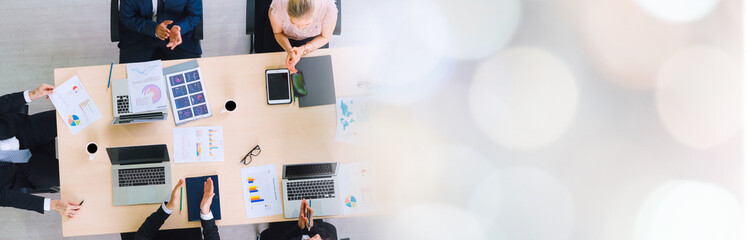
(27, 154)
(154, 29)
(151, 225)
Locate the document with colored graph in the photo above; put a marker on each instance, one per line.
(147, 86)
(357, 195)
(261, 191)
(75, 106)
(198, 144)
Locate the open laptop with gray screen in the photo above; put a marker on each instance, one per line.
(312, 181)
(140, 174)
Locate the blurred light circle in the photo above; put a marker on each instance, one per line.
(479, 28)
(406, 68)
(689, 210)
(435, 222)
(678, 10)
(524, 203)
(523, 98)
(626, 45)
(698, 96)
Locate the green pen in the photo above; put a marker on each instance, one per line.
(180, 200)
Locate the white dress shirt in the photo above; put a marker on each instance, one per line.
(155, 8)
(205, 217)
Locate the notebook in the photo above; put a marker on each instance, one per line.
(195, 195)
(318, 79)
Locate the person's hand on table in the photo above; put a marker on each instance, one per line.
(65, 208)
(207, 196)
(162, 31)
(175, 37)
(175, 195)
(316, 237)
(303, 220)
(43, 90)
(290, 64)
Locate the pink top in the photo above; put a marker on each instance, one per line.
(324, 12)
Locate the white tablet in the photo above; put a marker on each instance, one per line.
(278, 86)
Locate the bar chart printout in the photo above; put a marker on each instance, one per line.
(261, 191)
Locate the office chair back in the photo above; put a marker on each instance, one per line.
(114, 23)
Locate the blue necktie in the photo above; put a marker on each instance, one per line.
(15, 156)
(160, 13)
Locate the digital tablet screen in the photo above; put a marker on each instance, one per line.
(278, 88)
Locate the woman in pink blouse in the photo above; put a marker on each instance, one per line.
(302, 26)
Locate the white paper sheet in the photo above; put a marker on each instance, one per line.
(352, 114)
(74, 105)
(198, 144)
(261, 191)
(147, 86)
(357, 195)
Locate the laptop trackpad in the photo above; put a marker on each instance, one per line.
(143, 196)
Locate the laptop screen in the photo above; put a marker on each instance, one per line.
(138, 154)
(307, 170)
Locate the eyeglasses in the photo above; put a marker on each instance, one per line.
(253, 153)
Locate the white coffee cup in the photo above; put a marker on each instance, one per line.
(91, 149)
(229, 106)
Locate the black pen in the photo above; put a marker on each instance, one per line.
(81, 202)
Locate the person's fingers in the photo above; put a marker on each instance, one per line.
(311, 211)
(167, 22)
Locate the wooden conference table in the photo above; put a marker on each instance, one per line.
(286, 133)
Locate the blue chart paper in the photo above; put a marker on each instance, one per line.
(186, 85)
(195, 195)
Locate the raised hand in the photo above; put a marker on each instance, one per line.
(175, 37)
(207, 196)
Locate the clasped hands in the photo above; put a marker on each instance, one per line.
(174, 34)
(293, 56)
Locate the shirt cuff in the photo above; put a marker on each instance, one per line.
(47, 203)
(163, 207)
(206, 217)
(26, 96)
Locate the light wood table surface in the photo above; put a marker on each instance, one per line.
(286, 133)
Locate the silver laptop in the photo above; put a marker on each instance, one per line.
(140, 174)
(317, 182)
(121, 106)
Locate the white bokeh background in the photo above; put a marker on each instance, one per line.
(584, 120)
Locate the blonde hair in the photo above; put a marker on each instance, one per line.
(300, 8)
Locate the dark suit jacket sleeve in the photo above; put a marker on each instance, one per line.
(129, 17)
(11, 102)
(17, 199)
(151, 225)
(193, 16)
(210, 230)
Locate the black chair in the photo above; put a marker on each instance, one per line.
(257, 20)
(182, 234)
(114, 24)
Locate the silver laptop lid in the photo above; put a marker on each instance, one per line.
(138, 154)
(310, 170)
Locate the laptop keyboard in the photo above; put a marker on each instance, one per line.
(141, 176)
(123, 104)
(315, 189)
